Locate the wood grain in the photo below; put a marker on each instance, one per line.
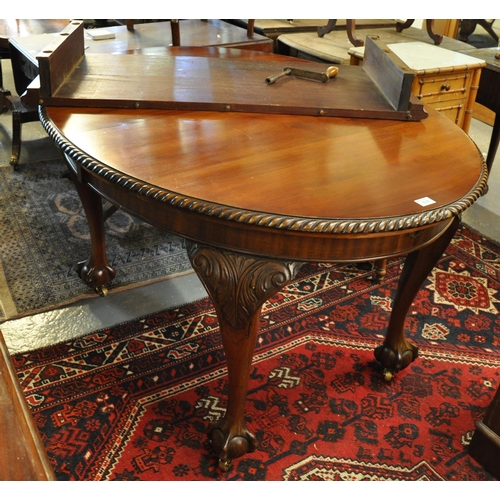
(59, 59)
(213, 84)
(388, 72)
(217, 84)
(280, 174)
(22, 456)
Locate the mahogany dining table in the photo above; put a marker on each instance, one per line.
(256, 195)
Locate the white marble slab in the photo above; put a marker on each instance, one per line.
(418, 55)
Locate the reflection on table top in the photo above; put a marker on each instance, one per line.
(296, 166)
(193, 33)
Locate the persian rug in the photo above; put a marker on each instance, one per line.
(44, 234)
(133, 402)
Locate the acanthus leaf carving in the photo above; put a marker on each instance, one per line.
(239, 284)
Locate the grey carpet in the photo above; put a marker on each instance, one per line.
(44, 234)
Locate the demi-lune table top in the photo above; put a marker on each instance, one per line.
(329, 171)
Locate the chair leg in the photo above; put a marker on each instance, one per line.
(488, 27)
(380, 270)
(16, 138)
(3, 92)
(3, 101)
(467, 27)
(20, 114)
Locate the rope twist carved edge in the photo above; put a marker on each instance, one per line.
(343, 226)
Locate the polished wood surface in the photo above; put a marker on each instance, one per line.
(69, 77)
(22, 456)
(282, 164)
(10, 28)
(256, 195)
(195, 33)
(24, 49)
(117, 81)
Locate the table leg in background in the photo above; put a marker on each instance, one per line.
(396, 353)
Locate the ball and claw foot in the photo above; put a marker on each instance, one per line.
(101, 290)
(94, 275)
(394, 360)
(225, 465)
(229, 445)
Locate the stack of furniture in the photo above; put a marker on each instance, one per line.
(333, 46)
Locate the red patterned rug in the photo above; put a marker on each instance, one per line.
(133, 402)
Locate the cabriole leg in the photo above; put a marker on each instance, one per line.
(95, 271)
(238, 286)
(396, 353)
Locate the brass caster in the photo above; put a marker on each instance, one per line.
(225, 465)
(102, 291)
(388, 375)
(14, 160)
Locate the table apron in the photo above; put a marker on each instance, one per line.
(264, 241)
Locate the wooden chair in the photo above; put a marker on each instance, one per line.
(467, 27)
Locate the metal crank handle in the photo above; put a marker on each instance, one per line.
(273, 78)
(331, 72)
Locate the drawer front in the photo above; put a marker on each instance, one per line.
(445, 87)
(453, 109)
